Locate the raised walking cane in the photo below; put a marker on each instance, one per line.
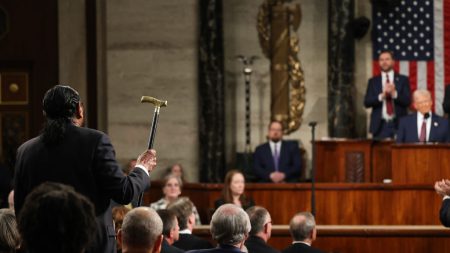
(158, 104)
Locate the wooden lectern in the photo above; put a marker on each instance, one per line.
(420, 163)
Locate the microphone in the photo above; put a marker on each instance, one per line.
(426, 115)
(312, 124)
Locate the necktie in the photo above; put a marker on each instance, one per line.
(389, 106)
(275, 156)
(423, 132)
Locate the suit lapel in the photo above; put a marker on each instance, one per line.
(433, 127)
(269, 156)
(416, 130)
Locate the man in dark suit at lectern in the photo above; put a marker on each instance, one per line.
(424, 125)
(277, 160)
(389, 97)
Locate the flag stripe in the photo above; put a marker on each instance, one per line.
(430, 81)
(413, 75)
(438, 56)
(421, 75)
(447, 40)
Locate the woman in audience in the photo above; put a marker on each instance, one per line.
(177, 170)
(233, 191)
(9, 233)
(172, 190)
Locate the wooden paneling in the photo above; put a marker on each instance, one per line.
(337, 204)
(353, 160)
(420, 163)
(367, 239)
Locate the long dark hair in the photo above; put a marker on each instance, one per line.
(226, 191)
(60, 105)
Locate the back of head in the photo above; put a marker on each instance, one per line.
(183, 209)
(141, 228)
(230, 225)
(9, 234)
(60, 104)
(258, 216)
(168, 219)
(55, 218)
(302, 226)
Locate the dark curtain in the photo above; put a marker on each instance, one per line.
(341, 62)
(211, 92)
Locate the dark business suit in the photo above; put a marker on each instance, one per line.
(446, 103)
(408, 132)
(219, 249)
(190, 242)
(300, 248)
(85, 160)
(256, 244)
(444, 214)
(167, 248)
(401, 103)
(248, 203)
(289, 161)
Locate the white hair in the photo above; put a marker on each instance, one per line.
(230, 225)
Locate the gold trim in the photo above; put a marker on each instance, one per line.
(27, 90)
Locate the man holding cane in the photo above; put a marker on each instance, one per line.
(80, 157)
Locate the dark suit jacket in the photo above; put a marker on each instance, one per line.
(444, 214)
(289, 161)
(245, 206)
(190, 242)
(408, 132)
(401, 103)
(85, 160)
(255, 244)
(219, 249)
(166, 248)
(446, 103)
(300, 248)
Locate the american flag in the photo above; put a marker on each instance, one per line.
(418, 32)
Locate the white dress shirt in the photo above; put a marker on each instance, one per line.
(383, 83)
(420, 119)
(272, 147)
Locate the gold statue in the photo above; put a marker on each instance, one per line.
(277, 26)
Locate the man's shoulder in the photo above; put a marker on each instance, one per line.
(262, 146)
(256, 245)
(409, 117)
(300, 247)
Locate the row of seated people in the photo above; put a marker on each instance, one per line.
(55, 218)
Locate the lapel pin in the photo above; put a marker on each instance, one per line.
(436, 124)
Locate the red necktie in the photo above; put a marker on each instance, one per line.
(423, 132)
(389, 106)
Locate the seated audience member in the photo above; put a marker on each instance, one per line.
(9, 234)
(6, 176)
(141, 231)
(443, 188)
(230, 226)
(176, 170)
(233, 191)
(303, 232)
(55, 219)
(261, 231)
(424, 125)
(183, 209)
(170, 231)
(172, 190)
(118, 213)
(277, 160)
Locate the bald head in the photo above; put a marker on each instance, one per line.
(230, 225)
(302, 227)
(141, 229)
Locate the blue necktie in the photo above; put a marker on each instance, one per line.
(275, 157)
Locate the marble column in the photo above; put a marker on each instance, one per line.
(341, 64)
(211, 92)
